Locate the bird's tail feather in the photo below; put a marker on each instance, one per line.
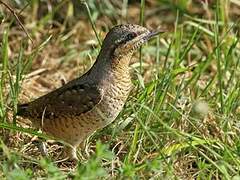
(22, 109)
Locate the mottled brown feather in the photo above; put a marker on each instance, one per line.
(80, 107)
(73, 99)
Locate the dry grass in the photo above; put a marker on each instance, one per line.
(164, 131)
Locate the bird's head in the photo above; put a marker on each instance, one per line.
(123, 40)
(119, 44)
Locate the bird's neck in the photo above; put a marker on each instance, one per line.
(109, 65)
(121, 63)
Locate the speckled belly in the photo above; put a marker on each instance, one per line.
(75, 129)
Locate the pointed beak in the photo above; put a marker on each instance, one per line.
(141, 39)
(153, 33)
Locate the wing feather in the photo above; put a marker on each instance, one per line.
(73, 99)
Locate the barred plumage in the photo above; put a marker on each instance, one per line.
(80, 107)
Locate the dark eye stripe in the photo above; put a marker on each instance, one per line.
(131, 36)
(128, 37)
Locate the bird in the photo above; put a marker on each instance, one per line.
(76, 110)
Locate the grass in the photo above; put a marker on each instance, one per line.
(181, 119)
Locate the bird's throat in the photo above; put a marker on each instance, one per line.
(120, 63)
(106, 63)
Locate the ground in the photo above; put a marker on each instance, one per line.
(181, 120)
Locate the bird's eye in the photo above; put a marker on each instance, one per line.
(126, 38)
(131, 36)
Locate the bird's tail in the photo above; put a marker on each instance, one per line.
(22, 109)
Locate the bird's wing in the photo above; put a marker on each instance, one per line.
(73, 99)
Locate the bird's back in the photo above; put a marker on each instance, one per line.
(76, 97)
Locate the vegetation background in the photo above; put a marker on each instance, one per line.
(182, 118)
